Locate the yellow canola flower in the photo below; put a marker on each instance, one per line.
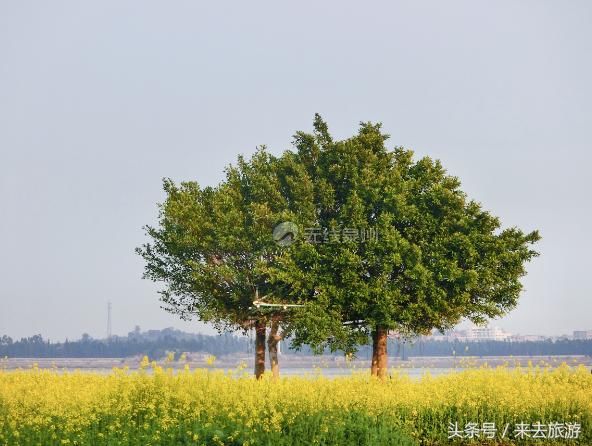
(54, 406)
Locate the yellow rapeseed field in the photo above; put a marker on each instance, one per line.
(159, 406)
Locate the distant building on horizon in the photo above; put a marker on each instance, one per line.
(493, 333)
(528, 338)
(582, 334)
(474, 334)
(487, 334)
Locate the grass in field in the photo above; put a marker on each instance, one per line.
(200, 407)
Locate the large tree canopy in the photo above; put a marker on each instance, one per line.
(384, 243)
(435, 256)
(213, 245)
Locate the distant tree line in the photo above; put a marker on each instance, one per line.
(156, 343)
(547, 347)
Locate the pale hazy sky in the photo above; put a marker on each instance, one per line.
(100, 100)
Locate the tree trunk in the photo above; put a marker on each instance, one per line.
(272, 344)
(259, 348)
(374, 364)
(379, 354)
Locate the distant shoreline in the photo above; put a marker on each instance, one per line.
(298, 362)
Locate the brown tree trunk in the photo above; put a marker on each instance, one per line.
(374, 366)
(272, 344)
(259, 348)
(379, 366)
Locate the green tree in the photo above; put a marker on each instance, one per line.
(213, 245)
(433, 256)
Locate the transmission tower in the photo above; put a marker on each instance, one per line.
(109, 320)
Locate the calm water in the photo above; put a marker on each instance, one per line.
(306, 372)
(414, 372)
(414, 369)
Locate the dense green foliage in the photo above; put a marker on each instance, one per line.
(212, 245)
(438, 256)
